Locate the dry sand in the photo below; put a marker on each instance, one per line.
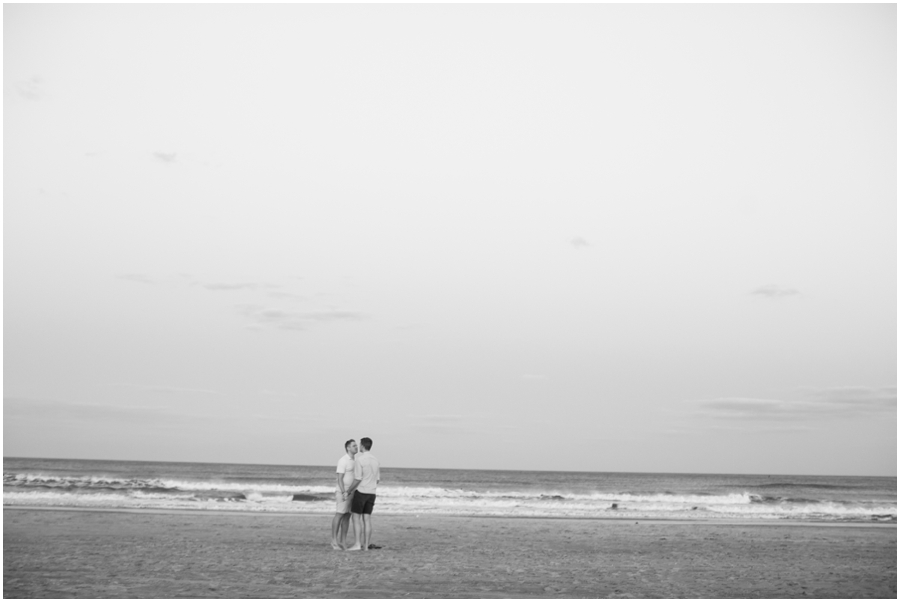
(68, 553)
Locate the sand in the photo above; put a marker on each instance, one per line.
(75, 553)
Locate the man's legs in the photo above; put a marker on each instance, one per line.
(367, 525)
(335, 528)
(356, 531)
(345, 526)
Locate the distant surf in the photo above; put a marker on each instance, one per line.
(106, 484)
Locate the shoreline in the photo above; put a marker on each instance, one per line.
(702, 521)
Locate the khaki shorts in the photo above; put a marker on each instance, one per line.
(342, 506)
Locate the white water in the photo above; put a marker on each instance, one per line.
(260, 488)
(430, 501)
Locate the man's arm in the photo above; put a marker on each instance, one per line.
(340, 482)
(352, 487)
(357, 478)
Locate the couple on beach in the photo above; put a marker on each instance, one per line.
(358, 474)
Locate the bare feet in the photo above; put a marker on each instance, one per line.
(335, 545)
(355, 548)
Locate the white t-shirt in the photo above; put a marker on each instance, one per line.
(345, 467)
(368, 471)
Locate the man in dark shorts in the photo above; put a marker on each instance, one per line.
(366, 474)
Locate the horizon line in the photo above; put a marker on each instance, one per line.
(786, 474)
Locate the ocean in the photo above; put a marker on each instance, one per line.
(418, 491)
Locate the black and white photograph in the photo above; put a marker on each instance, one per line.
(450, 300)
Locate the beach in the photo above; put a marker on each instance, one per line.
(64, 553)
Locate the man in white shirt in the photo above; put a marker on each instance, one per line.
(366, 474)
(341, 521)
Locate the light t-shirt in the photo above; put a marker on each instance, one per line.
(368, 471)
(345, 467)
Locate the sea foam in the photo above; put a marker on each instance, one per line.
(420, 491)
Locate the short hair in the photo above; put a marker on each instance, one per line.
(347, 444)
(366, 443)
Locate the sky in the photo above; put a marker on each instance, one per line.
(643, 238)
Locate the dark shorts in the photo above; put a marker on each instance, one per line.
(362, 503)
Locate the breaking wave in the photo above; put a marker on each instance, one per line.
(162, 493)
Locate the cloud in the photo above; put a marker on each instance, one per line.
(279, 319)
(693, 430)
(331, 315)
(289, 296)
(165, 157)
(221, 286)
(773, 291)
(237, 286)
(743, 407)
(54, 410)
(30, 89)
(247, 309)
(579, 243)
(164, 389)
(834, 402)
(293, 320)
(143, 278)
(853, 398)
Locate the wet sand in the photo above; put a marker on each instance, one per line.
(67, 553)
